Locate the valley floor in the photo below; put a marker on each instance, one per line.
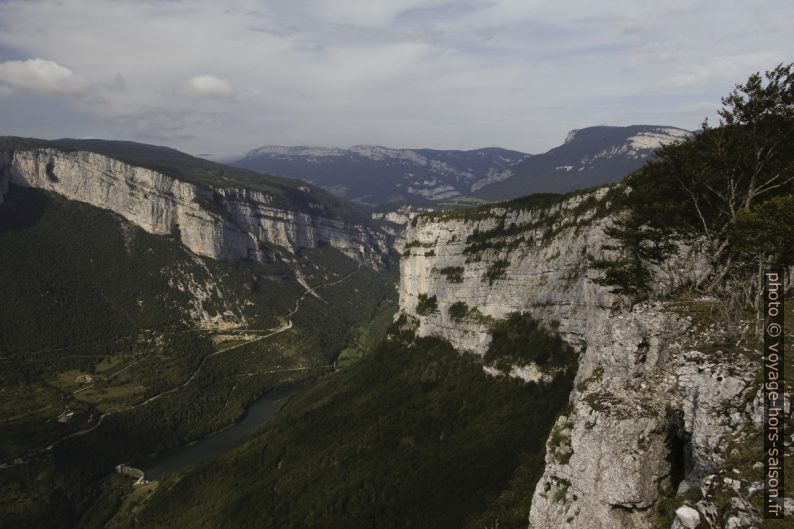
(176, 349)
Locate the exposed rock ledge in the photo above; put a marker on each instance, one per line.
(649, 410)
(217, 222)
(551, 279)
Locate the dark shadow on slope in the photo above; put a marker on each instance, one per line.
(21, 208)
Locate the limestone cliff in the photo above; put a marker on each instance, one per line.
(529, 272)
(654, 411)
(222, 222)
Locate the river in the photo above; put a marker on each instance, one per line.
(217, 444)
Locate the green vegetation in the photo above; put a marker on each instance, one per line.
(461, 202)
(413, 409)
(561, 491)
(426, 306)
(741, 449)
(76, 278)
(458, 310)
(536, 201)
(409, 433)
(496, 270)
(728, 190)
(556, 438)
(669, 502)
(97, 318)
(493, 238)
(549, 219)
(130, 506)
(419, 244)
(454, 274)
(364, 337)
(519, 339)
(594, 379)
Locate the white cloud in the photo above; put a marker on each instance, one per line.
(733, 68)
(436, 73)
(42, 76)
(210, 86)
(159, 124)
(368, 13)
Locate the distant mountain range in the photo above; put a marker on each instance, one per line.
(589, 157)
(377, 176)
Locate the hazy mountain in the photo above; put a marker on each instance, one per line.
(589, 157)
(375, 175)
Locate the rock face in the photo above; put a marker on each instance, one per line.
(686, 518)
(548, 277)
(219, 222)
(648, 411)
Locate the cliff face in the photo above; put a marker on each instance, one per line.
(650, 413)
(551, 281)
(219, 222)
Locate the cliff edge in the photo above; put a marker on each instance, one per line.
(659, 418)
(222, 221)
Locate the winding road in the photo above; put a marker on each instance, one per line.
(309, 290)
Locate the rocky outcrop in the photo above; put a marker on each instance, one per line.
(532, 271)
(648, 413)
(228, 223)
(652, 412)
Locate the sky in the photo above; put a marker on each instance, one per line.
(222, 77)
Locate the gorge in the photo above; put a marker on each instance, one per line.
(511, 361)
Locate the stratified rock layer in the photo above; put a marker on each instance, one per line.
(220, 222)
(648, 410)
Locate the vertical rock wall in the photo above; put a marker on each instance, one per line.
(222, 223)
(648, 410)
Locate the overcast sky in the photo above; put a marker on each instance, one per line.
(208, 76)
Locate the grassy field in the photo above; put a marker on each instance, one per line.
(365, 337)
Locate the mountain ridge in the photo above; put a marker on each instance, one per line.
(182, 166)
(226, 219)
(382, 177)
(374, 175)
(588, 157)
